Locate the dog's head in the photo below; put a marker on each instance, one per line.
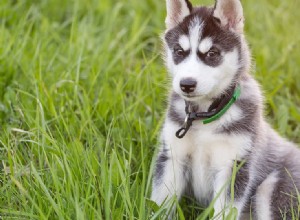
(204, 47)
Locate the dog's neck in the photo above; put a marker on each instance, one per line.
(218, 107)
(207, 103)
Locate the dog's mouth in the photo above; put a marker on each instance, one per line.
(191, 97)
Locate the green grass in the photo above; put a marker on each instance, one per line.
(82, 100)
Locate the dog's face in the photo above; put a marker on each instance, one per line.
(203, 47)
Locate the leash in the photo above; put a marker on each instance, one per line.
(215, 111)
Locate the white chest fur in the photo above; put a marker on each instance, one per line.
(205, 152)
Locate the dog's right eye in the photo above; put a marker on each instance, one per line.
(179, 52)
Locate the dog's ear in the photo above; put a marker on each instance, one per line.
(177, 10)
(230, 14)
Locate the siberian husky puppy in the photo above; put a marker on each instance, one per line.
(215, 120)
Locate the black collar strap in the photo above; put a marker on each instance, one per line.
(215, 111)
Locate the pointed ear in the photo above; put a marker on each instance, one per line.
(177, 10)
(230, 14)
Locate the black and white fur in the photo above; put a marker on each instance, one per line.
(207, 46)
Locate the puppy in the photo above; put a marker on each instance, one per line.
(214, 128)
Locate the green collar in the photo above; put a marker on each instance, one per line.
(235, 96)
(215, 112)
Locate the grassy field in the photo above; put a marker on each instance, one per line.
(82, 100)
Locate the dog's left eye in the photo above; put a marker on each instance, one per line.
(212, 53)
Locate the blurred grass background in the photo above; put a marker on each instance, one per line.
(82, 100)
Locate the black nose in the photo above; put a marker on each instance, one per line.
(188, 85)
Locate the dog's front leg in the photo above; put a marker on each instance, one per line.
(169, 179)
(221, 184)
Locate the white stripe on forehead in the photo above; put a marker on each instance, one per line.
(205, 45)
(184, 42)
(195, 32)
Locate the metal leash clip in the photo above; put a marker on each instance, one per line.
(189, 118)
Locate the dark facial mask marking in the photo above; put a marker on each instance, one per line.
(223, 40)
